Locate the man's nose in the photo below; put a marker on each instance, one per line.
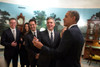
(63, 18)
(32, 25)
(49, 23)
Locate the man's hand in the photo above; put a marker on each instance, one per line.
(21, 39)
(37, 43)
(14, 44)
(37, 56)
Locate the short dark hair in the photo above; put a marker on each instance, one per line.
(74, 13)
(12, 19)
(32, 20)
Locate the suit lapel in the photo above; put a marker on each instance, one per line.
(38, 35)
(47, 38)
(11, 34)
(31, 35)
(55, 36)
(16, 34)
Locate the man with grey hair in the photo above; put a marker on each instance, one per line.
(69, 50)
(50, 38)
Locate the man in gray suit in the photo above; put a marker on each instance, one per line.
(69, 50)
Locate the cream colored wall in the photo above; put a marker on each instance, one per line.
(57, 3)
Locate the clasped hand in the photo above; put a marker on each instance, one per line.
(14, 44)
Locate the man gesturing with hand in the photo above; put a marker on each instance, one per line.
(69, 50)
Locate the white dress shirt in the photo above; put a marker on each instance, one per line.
(35, 33)
(14, 33)
(50, 34)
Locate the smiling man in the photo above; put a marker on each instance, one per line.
(33, 52)
(49, 38)
(10, 38)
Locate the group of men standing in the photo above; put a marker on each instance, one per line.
(11, 41)
(45, 49)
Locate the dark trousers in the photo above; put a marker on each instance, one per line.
(34, 65)
(32, 62)
(24, 65)
(13, 58)
(52, 63)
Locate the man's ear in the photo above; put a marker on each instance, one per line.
(74, 17)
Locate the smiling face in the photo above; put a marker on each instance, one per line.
(32, 25)
(26, 27)
(50, 24)
(13, 23)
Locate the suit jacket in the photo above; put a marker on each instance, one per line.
(69, 51)
(31, 49)
(6, 40)
(44, 59)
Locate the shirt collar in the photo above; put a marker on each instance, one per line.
(12, 29)
(33, 31)
(50, 31)
(72, 25)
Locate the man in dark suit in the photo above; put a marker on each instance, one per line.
(31, 49)
(49, 38)
(69, 51)
(10, 38)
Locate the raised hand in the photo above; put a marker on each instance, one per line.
(37, 43)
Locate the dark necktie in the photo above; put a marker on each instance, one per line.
(51, 37)
(34, 34)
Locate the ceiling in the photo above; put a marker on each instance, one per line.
(57, 3)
